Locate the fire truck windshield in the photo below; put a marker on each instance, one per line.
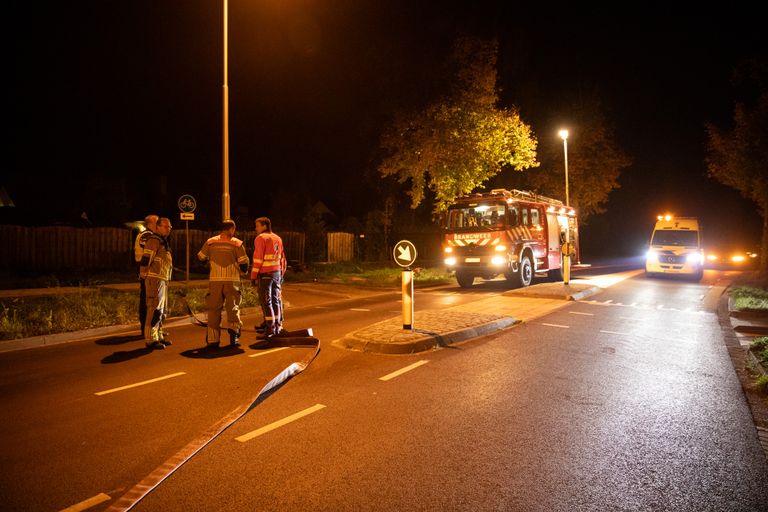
(676, 237)
(481, 215)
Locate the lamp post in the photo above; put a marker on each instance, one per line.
(566, 250)
(225, 122)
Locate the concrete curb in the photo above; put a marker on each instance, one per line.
(424, 341)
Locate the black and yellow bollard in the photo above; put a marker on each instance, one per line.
(408, 300)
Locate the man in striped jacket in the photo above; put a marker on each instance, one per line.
(269, 266)
(150, 221)
(227, 257)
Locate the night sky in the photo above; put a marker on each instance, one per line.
(117, 105)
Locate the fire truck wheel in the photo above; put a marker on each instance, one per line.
(464, 279)
(524, 275)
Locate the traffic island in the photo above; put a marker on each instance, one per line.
(573, 291)
(434, 328)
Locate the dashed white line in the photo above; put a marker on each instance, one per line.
(580, 313)
(633, 304)
(615, 332)
(142, 383)
(322, 307)
(265, 352)
(609, 301)
(401, 371)
(557, 325)
(90, 502)
(660, 306)
(279, 423)
(359, 309)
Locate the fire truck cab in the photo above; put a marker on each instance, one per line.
(508, 232)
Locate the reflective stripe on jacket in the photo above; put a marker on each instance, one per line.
(226, 256)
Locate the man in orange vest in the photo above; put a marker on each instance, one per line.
(267, 273)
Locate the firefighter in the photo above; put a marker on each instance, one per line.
(227, 258)
(158, 262)
(150, 221)
(267, 273)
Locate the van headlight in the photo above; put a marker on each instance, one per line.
(694, 258)
(651, 256)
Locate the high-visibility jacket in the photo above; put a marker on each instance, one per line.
(138, 245)
(157, 260)
(227, 257)
(268, 255)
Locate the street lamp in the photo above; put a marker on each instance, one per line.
(225, 122)
(566, 250)
(564, 135)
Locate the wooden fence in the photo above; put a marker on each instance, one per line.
(341, 247)
(54, 248)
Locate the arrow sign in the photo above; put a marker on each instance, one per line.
(404, 253)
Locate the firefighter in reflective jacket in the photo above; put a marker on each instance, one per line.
(269, 266)
(227, 257)
(156, 266)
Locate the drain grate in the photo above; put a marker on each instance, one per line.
(762, 435)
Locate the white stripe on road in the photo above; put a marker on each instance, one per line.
(359, 309)
(279, 423)
(322, 307)
(265, 352)
(90, 502)
(580, 313)
(615, 332)
(129, 386)
(557, 325)
(403, 370)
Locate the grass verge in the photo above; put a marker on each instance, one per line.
(750, 298)
(366, 274)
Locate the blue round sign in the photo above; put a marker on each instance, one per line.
(187, 203)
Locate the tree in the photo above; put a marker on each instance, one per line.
(454, 145)
(595, 160)
(737, 157)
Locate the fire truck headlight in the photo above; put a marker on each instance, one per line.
(498, 260)
(651, 256)
(694, 258)
(448, 250)
(712, 257)
(450, 261)
(501, 248)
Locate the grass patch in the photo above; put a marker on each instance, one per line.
(759, 347)
(750, 298)
(762, 383)
(24, 317)
(366, 274)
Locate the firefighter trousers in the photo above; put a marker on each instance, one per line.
(157, 307)
(224, 294)
(271, 301)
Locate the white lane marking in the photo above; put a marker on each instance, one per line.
(265, 352)
(630, 318)
(609, 301)
(359, 309)
(557, 325)
(279, 423)
(701, 297)
(322, 307)
(660, 306)
(615, 332)
(580, 313)
(633, 304)
(90, 502)
(401, 371)
(129, 386)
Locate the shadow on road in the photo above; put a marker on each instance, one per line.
(119, 340)
(127, 355)
(212, 352)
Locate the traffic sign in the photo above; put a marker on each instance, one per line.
(187, 204)
(404, 253)
(187, 216)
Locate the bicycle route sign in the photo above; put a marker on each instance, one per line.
(187, 203)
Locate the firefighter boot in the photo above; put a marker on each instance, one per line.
(234, 336)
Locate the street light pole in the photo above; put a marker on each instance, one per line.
(225, 121)
(567, 248)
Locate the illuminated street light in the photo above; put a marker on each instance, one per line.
(564, 135)
(225, 121)
(566, 250)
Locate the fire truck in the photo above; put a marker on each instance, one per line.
(513, 233)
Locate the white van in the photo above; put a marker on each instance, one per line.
(675, 247)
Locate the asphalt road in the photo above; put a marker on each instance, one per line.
(625, 402)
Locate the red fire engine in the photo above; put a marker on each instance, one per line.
(510, 232)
